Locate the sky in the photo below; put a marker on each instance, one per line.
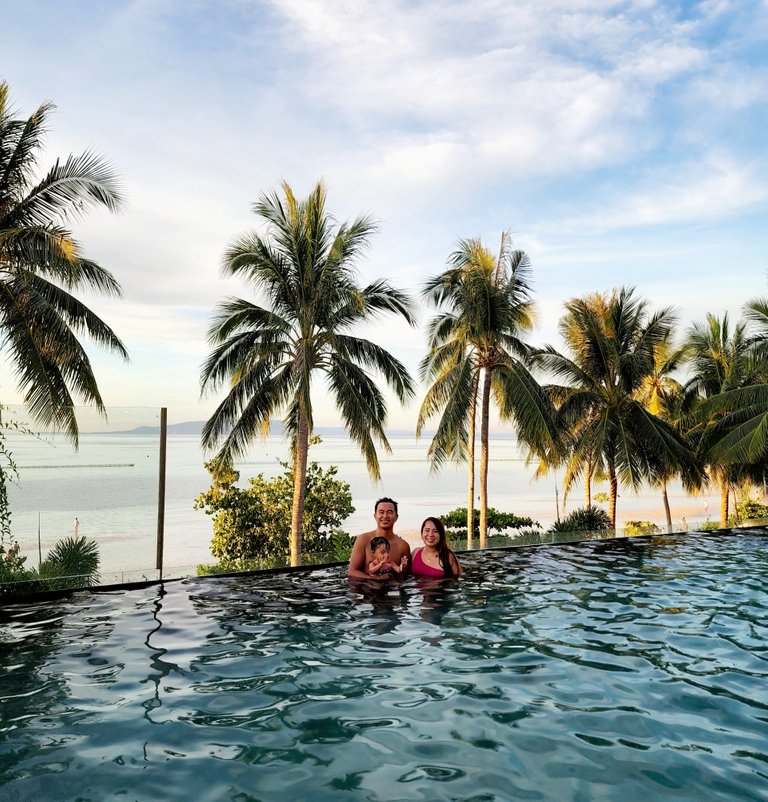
(622, 143)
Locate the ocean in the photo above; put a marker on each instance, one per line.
(110, 485)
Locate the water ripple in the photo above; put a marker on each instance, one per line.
(602, 670)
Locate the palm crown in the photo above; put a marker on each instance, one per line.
(269, 354)
(41, 265)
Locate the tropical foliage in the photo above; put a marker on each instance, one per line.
(606, 430)
(72, 563)
(268, 354)
(249, 524)
(728, 371)
(666, 398)
(476, 351)
(501, 523)
(584, 519)
(41, 267)
(639, 528)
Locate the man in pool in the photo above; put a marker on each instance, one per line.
(385, 514)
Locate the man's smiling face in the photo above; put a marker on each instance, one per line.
(385, 515)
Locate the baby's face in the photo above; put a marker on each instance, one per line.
(381, 552)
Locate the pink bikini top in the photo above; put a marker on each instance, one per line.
(420, 568)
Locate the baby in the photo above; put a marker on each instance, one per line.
(380, 564)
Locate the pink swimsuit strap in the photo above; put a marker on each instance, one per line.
(420, 568)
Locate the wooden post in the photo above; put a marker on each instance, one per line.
(161, 490)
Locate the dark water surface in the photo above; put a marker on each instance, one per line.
(631, 670)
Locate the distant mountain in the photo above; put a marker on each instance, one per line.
(188, 427)
(276, 428)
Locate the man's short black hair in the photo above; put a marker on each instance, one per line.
(385, 500)
(377, 541)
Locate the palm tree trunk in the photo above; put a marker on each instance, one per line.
(588, 483)
(299, 487)
(613, 483)
(484, 419)
(724, 494)
(668, 512)
(471, 463)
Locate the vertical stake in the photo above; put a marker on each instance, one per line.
(161, 490)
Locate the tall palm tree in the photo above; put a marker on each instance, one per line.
(727, 371)
(611, 343)
(666, 398)
(303, 268)
(41, 265)
(476, 351)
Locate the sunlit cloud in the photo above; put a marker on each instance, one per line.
(597, 130)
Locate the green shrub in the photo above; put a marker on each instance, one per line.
(501, 523)
(633, 528)
(14, 576)
(73, 562)
(584, 519)
(341, 545)
(254, 523)
(750, 510)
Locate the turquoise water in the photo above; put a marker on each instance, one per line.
(623, 670)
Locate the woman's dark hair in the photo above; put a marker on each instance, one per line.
(443, 552)
(377, 541)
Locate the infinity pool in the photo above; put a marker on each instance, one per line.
(625, 670)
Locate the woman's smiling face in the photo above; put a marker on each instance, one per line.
(430, 534)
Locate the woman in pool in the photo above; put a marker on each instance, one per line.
(434, 559)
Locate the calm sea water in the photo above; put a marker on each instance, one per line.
(111, 484)
(628, 671)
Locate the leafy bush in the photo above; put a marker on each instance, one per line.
(584, 519)
(500, 522)
(633, 528)
(341, 545)
(14, 576)
(72, 563)
(254, 523)
(750, 509)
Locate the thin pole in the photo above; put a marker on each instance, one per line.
(161, 490)
(39, 545)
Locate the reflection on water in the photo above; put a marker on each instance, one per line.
(610, 670)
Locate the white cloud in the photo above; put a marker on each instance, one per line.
(692, 193)
(441, 118)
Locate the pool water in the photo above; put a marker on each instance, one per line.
(629, 670)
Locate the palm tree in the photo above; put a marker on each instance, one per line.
(611, 342)
(269, 354)
(475, 349)
(727, 371)
(41, 266)
(667, 399)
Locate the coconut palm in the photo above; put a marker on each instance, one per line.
(666, 398)
(303, 268)
(729, 372)
(611, 342)
(476, 349)
(41, 265)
